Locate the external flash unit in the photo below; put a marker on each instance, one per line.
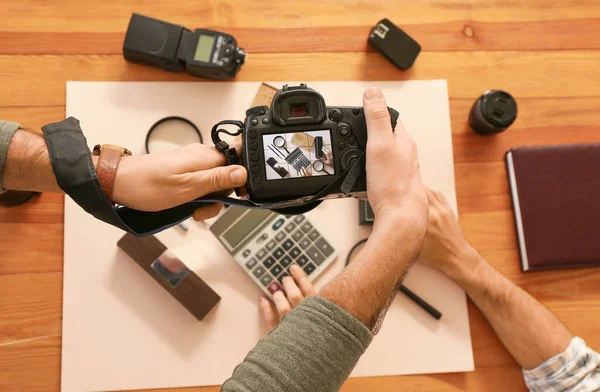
(204, 53)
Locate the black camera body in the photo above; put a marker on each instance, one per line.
(299, 147)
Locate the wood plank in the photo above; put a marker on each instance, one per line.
(523, 74)
(32, 366)
(31, 306)
(66, 15)
(458, 35)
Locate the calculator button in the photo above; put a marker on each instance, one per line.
(251, 263)
(315, 255)
(290, 227)
(313, 235)
(298, 219)
(273, 287)
(269, 261)
(276, 270)
(278, 253)
(278, 224)
(306, 226)
(262, 238)
(280, 278)
(259, 271)
(280, 236)
(302, 260)
(271, 244)
(324, 246)
(304, 243)
(287, 244)
(298, 235)
(266, 279)
(246, 253)
(295, 252)
(309, 268)
(261, 254)
(285, 261)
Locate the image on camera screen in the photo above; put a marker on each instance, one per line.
(298, 154)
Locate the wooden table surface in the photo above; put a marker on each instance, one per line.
(547, 54)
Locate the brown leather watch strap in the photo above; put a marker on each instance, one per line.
(107, 169)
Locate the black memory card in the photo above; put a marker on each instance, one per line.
(397, 46)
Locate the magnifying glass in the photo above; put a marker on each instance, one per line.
(279, 141)
(171, 132)
(320, 167)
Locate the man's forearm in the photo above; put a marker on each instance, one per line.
(28, 165)
(365, 287)
(530, 332)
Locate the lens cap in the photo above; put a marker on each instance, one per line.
(499, 108)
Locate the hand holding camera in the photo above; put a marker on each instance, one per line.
(299, 151)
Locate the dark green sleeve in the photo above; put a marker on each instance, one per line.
(314, 349)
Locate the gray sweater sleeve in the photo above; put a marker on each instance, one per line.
(7, 130)
(314, 349)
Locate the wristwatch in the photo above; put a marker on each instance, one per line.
(106, 169)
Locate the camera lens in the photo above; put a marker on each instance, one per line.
(299, 110)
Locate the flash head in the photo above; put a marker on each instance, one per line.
(204, 53)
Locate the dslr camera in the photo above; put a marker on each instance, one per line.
(299, 150)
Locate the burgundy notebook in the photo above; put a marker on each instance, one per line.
(556, 199)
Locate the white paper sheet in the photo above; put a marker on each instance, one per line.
(122, 331)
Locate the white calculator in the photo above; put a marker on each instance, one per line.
(265, 244)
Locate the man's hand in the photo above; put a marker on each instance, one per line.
(395, 189)
(295, 289)
(445, 246)
(166, 179)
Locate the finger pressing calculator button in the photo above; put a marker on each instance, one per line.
(259, 271)
(280, 236)
(280, 278)
(269, 261)
(285, 261)
(298, 219)
(309, 268)
(306, 226)
(315, 255)
(261, 253)
(276, 270)
(251, 263)
(266, 279)
(324, 246)
(295, 252)
(290, 227)
(314, 234)
(302, 260)
(271, 244)
(273, 287)
(304, 243)
(278, 253)
(298, 234)
(287, 244)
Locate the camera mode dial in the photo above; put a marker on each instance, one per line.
(349, 158)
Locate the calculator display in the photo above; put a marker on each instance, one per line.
(244, 226)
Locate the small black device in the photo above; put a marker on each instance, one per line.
(287, 136)
(204, 53)
(365, 213)
(397, 46)
(493, 112)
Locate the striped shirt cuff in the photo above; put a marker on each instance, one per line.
(575, 369)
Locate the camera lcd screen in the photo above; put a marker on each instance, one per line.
(298, 154)
(204, 48)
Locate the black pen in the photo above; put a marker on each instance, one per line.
(421, 302)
